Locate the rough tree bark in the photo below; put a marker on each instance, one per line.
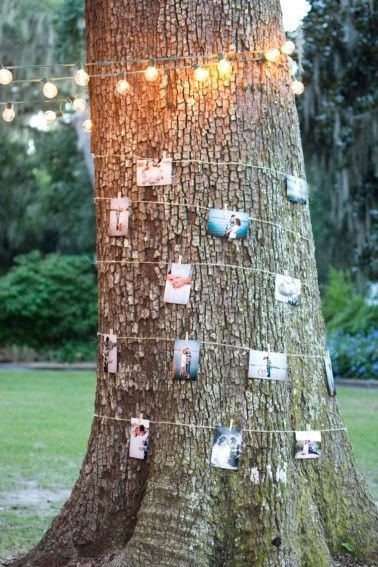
(174, 510)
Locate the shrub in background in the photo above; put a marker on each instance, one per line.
(49, 303)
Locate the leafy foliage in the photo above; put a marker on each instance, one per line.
(354, 356)
(47, 302)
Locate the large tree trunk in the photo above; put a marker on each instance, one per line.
(174, 510)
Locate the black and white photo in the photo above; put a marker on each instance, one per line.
(186, 360)
(139, 438)
(288, 289)
(178, 283)
(226, 449)
(119, 216)
(152, 172)
(109, 353)
(228, 224)
(296, 189)
(267, 365)
(329, 375)
(308, 444)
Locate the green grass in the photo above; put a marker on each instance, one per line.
(45, 419)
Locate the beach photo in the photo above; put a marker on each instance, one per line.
(228, 224)
(152, 172)
(178, 283)
(296, 189)
(119, 216)
(329, 375)
(267, 365)
(186, 360)
(226, 449)
(308, 444)
(139, 438)
(288, 289)
(109, 353)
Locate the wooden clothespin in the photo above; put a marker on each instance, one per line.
(140, 418)
(268, 349)
(180, 260)
(225, 207)
(231, 423)
(119, 194)
(186, 336)
(164, 155)
(111, 332)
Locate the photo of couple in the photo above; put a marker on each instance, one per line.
(226, 449)
(288, 289)
(152, 172)
(267, 365)
(139, 438)
(186, 360)
(307, 444)
(178, 283)
(228, 224)
(119, 216)
(296, 189)
(109, 354)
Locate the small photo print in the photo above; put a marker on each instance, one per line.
(119, 216)
(296, 189)
(178, 283)
(329, 375)
(228, 224)
(152, 172)
(186, 360)
(226, 448)
(308, 444)
(109, 354)
(288, 289)
(139, 438)
(267, 365)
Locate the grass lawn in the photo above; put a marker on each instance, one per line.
(44, 425)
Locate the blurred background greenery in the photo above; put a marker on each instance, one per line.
(47, 235)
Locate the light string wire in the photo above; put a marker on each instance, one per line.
(202, 426)
(201, 264)
(211, 343)
(195, 206)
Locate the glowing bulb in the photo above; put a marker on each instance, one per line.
(297, 87)
(5, 76)
(151, 73)
(87, 125)
(8, 112)
(123, 86)
(49, 89)
(293, 66)
(272, 55)
(81, 78)
(288, 48)
(79, 104)
(224, 66)
(201, 73)
(50, 116)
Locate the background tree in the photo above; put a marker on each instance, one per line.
(173, 510)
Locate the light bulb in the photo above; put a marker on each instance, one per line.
(272, 55)
(50, 116)
(224, 66)
(81, 78)
(151, 73)
(201, 73)
(5, 76)
(87, 125)
(79, 104)
(8, 112)
(49, 89)
(288, 48)
(297, 87)
(293, 66)
(123, 86)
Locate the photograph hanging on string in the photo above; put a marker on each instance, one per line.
(267, 365)
(178, 283)
(139, 438)
(109, 353)
(186, 360)
(329, 375)
(228, 224)
(152, 172)
(119, 216)
(226, 449)
(308, 444)
(296, 189)
(288, 289)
